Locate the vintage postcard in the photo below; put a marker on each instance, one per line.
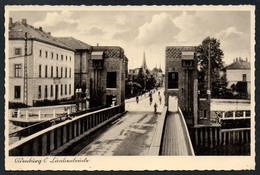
(130, 88)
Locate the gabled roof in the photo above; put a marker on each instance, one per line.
(18, 29)
(74, 43)
(239, 65)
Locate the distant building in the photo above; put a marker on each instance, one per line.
(239, 73)
(158, 75)
(49, 72)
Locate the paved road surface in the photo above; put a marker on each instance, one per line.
(132, 134)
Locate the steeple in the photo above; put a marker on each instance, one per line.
(144, 66)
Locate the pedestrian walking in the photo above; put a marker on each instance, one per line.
(151, 100)
(160, 99)
(137, 99)
(155, 108)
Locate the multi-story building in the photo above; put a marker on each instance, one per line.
(40, 66)
(239, 73)
(81, 61)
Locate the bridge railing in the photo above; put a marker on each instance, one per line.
(49, 139)
(234, 115)
(186, 133)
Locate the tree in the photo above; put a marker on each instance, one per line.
(211, 46)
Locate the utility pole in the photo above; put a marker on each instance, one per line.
(209, 81)
(25, 72)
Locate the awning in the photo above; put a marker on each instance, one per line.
(187, 55)
(97, 55)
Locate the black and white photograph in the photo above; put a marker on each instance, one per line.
(130, 87)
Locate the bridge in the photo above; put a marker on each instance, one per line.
(139, 131)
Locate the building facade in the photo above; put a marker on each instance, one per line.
(81, 61)
(107, 75)
(181, 79)
(239, 73)
(40, 66)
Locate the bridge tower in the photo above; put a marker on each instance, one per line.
(181, 80)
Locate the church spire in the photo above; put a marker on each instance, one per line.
(144, 66)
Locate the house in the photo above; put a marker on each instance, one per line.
(238, 75)
(41, 67)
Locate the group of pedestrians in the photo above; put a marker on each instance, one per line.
(151, 99)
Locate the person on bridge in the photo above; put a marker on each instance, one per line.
(137, 99)
(160, 99)
(151, 100)
(155, 108)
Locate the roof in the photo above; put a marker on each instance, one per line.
(74, 43)
(18, 29)
(239, 65)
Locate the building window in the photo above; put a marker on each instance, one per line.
(69, 88)
(61, 57)
(51, 71)
(46, 54)
(52, 55)
(66, 58)
(57, 56)
(39, 92)
(51, 94)
(61, 89)
(57, 71)
(17, 70)
(173, 80)
(244, 77)
(70, 72)
(17, 92)
(61, 72)
(40, 71)
(17, 51)
(111, 79)
(70, 58)
(65, 89)
(40, 53)
(66, 72)
(46, 91)
(46, 71)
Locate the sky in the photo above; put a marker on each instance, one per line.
(149, 31)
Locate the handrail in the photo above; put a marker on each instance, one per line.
(41, 124)
(187, 132)
(158, 136)
(93, 119)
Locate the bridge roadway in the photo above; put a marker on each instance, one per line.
(133, 133)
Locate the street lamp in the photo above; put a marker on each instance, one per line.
(208, 77)
(78, 93)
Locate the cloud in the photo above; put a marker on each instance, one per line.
(96, 31)
(191, 30)
(55, 21)
(229, 33)
(159, 30)
(120, 19)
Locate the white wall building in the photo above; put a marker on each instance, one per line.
(239, 71)
(50, 65)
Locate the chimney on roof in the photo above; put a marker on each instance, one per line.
(24, 21)
(97, 44)
(246, 59)
(10, 21)
(49, 33)
(40, 28)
